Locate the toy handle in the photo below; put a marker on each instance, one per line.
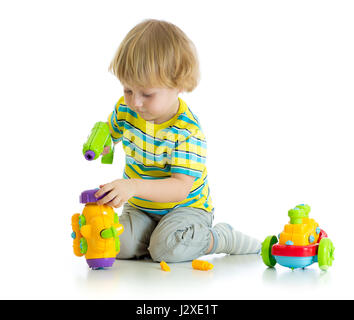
(108, 158)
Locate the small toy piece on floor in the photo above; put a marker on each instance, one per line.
(164, 266)
(202, 265)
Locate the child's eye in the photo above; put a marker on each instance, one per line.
(127, 91)
(147, 95)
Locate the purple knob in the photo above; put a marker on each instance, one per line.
(89, 155)
(89, 196)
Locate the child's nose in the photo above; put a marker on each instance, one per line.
(137, 101)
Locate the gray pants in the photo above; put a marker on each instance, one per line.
(183, 234)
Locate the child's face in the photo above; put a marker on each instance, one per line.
(152, 104)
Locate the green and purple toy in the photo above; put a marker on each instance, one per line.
(99, 138)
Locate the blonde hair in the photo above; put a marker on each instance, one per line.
(156, 53)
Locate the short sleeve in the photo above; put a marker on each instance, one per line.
(189, 156)
(116, 123)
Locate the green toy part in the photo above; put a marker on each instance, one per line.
(83, 245)
(267, 257)
(82, 221)
(99, 138)
(108, 158)
(325, 254)
(109, 233)
(112, 233)
(299, 212)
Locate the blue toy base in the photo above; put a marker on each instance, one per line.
(295, 262)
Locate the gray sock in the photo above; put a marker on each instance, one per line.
(228, 240)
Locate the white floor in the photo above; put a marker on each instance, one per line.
(233, 277)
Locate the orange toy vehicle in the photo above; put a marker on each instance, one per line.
(96, 232)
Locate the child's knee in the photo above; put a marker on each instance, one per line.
(175, 246)
(159, 251)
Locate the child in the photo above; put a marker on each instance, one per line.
(167, 211)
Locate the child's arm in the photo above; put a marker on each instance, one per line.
(173, 189)
(112, 135)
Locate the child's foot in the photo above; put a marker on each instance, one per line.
(228, 240)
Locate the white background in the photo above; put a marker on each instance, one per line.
(275, 102)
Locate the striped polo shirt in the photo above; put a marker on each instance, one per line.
(155, 151)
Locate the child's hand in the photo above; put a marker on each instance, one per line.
(119, 192)
(105, 150)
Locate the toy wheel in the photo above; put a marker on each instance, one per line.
(325, 254)
(267, 257)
